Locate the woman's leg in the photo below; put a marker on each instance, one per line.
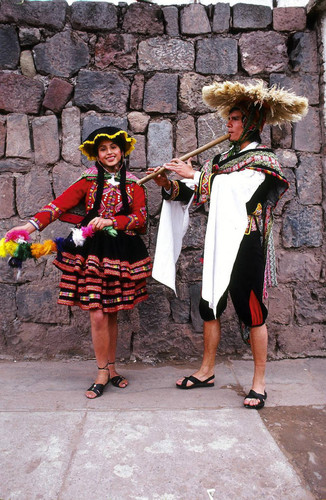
(100, 338)
(113, 337)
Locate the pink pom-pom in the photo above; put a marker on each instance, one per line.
(87, 231)
(17, 234)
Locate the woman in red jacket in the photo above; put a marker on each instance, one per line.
(106, 272)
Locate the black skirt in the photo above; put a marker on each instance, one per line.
(107, 272)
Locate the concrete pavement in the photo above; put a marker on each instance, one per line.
(152, 441)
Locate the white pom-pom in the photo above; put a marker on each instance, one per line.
(77, 237)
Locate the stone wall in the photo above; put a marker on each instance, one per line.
(65, 70)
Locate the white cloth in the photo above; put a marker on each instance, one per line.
(227, 222)
(173, 226)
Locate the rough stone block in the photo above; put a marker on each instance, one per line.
(154, 323)
(102, 91)
(20, 94)
(137, 159)
(190, 93)
(302, 340)
(195, 294)
(303, 52)
(29, 36)
(266, 136)
(63, 176)
(294, 266)
(62, 55)
(251, 16)
(171, 18)
(282, 136)
(15, 166)
(9, 48)
(180, 309)
(40, 14)
(8, 313)
(7, 198)
(57, 95)
(18, 137)
(143, 19)
(289, 19)
(37, 302)
(71, 135)
(160, 143)
(33, 191)
(94, 16)
(221, 18)
(301, 84)
(280, 305)
(217, 56)
(46, 140)
(307, 134)
(302, 226)
(164, 100)
(189, 268)
(117, 49)
(309, 179)
(138, 122)
(310, 305)
(210, 126)
(27, 64)
(186, 135)
(287, 158)
(195, 235)
(137, 92)
(160, 54)
(194, 20)
(263, 52)
(2, 135)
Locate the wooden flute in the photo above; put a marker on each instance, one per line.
(185, 157)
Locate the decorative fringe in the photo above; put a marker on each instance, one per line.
(16, 244)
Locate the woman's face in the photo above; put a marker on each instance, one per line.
(109, 155)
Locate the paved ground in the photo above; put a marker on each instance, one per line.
(152, 441)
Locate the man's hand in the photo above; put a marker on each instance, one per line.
(161, 179)
(184, 169)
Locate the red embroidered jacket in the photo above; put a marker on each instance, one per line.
(84, 190)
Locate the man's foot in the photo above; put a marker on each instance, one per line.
(193, 382)
(116, 379)
(102, 379)
(254, 400)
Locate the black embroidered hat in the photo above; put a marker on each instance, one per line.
(113, 133)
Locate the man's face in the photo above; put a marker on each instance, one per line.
(235, 125)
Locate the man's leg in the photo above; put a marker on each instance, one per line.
(258, 343)
(212, 335)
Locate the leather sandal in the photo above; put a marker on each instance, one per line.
(98, 389)
(116, 381)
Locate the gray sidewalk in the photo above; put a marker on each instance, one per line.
(152, 441)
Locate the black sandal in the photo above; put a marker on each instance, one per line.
(116, 381)
(98, 389)
(255, 395)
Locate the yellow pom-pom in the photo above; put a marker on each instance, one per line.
(3, 251)
(11, 246)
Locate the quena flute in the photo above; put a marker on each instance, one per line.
(185, 157)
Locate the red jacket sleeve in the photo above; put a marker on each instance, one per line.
(67, 200)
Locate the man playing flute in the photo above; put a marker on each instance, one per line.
(242, 186)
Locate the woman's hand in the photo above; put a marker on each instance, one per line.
(99, 223)
(161, 179)
(182, 168)
(28, 227)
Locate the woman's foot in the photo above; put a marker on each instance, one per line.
(116, 379)
(102, 379)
